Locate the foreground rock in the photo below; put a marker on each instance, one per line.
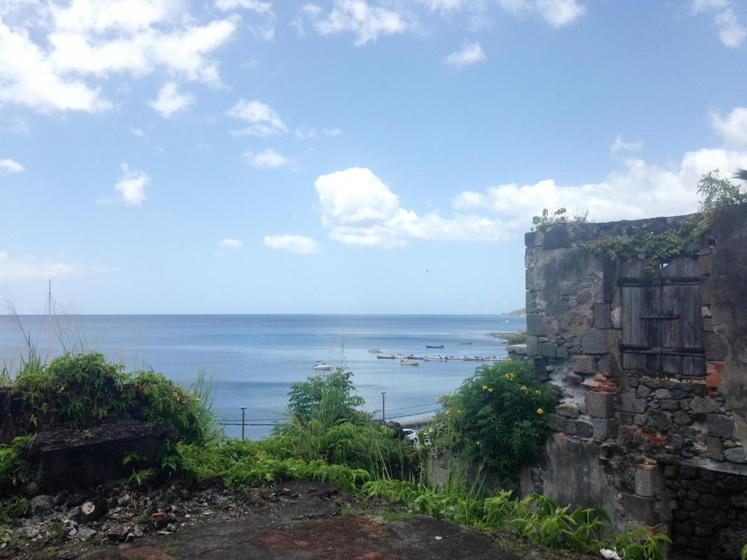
(290, 521)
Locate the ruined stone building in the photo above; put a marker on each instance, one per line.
(650, 357)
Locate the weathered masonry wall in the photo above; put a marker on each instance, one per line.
(651, 365)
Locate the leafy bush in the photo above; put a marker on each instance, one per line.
(80, 391)
(13, 468)
(84, 390)
(544, 522)
(327, 398)
(559, 216)
(535, 518)
(640, 543)
(496, 417)
(717, 191)
(241, 463)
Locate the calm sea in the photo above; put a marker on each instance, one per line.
(253, 359)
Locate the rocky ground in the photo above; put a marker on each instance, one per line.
(298, 520)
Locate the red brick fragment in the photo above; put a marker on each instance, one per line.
(714, 371)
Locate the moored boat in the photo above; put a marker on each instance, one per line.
(407, 362)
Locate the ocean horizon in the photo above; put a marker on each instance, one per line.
(252, 359)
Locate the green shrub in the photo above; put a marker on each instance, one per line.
(80, 391)
(717, 191)
(84, 390)
(496, 417)
(328, 398)
(247, 463)
(640, 543)
(13, 468)
(545, 523)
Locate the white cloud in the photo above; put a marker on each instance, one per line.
(170, 100)
(26, 267)
(137, 132)
(444, 5)
(620, 146)
(731, 30)
(266, 159)
(230, 244)
(58, 56)
(733, 127)
(131, 186)
(263, 120)
(306, 133)
(256, 6)
(358, 208)
(29, 78)
(469, 54)
(366, 20)
(555, 12)
(294, 243)
(639, 190)
(11, 166)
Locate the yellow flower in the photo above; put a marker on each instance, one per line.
(524, 388)
(540, 411)
(447, 412)
(478, 443)
(484, 387)
(490, 390)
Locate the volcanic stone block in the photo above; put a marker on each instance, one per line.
(720, 426)
(584, 364)
(602, 316)
(556, 238)
(569, 410)
(629, 403)
(647, 481)
(584, 429)
(532, 346)
(714, 449)
(603, 428)
(594, 342)
(641, 509)
(734, 455)
(600, 405)
(536, 324)
(77, 459)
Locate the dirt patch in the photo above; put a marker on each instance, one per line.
(292, 521)
(339, 538)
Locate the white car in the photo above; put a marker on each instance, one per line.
(412, 437)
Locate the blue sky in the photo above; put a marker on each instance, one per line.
(342, 156)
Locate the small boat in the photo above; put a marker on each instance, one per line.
(465, 344)
(375, 350)
(413, 357)
(386, 356)
(406, 362)
(321, 366)
(433, 346)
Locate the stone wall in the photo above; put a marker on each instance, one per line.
(651, 367)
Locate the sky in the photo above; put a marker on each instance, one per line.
(343, 156)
